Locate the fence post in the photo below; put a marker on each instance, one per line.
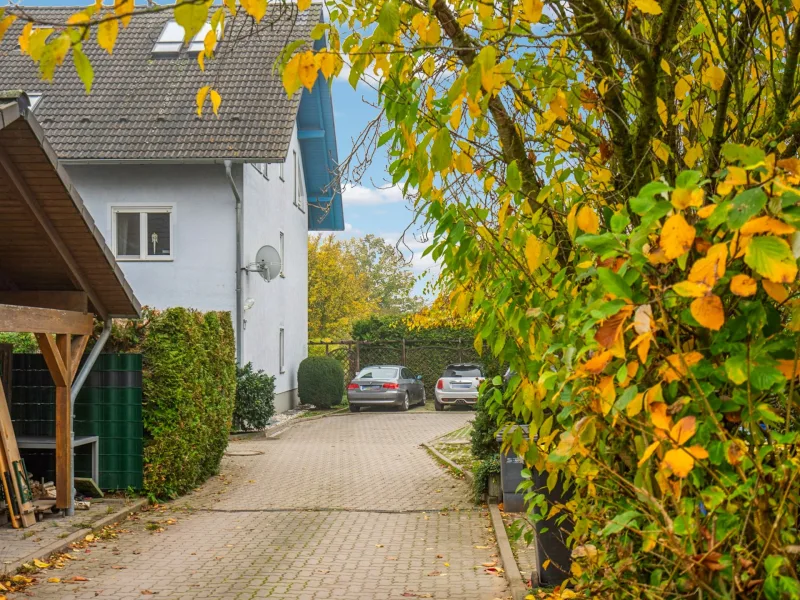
(403, 353)
(460, 352)
(358, 356)
(326, 348)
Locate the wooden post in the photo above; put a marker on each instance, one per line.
(60, 356)
(15, 479)
(403, 353)
(358, 357)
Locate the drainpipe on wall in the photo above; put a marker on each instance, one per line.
(238, 197)
(83, 375)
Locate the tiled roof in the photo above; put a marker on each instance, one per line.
(143, 108)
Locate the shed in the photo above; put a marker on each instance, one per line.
(56, 272)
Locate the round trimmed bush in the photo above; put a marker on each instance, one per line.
(320, 381)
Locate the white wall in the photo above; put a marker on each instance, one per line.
(202, 272)
(269, 209)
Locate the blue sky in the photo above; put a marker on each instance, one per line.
(373, 205)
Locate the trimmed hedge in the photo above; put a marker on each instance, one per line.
(255, 399)
(320, 381)
(189, 387)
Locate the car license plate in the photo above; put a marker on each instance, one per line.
(370, 388)
(462, 386)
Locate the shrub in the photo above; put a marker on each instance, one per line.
(320, 381)
(189, 387)
(255, 397)
(480, 482)
(484, 428)
(23, 343)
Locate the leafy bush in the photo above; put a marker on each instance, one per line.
(480, 482)
(189, 388)
(320, 381)
(484, 428)
(255, 397)
(23, 343)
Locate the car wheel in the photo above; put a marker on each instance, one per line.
(405, 405)
(354, 408)
(438, 405)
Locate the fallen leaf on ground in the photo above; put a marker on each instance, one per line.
(391, 558)
(446, 564)
(434, 573)
(118, 567)
(439, 556)
(379, 545)
(481, 547)
(490, 564)
(54, 580)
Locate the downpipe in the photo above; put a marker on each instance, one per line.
(83, 375)
(239, 316)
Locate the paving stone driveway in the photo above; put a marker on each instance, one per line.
(344, 508)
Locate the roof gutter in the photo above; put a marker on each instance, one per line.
(237, 196)
(165, 161)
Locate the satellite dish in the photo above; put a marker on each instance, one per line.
(268, 263)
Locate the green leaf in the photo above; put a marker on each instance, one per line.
(619, 523)
(441, 154)
(771, 257)
(645, 200)
(763, 377)
(745, 205)
(191, 16)
(513, 178)
(688, 179)
(599, 243)
(614, 284)
(389, 17)
(736, 369)
(747, 156)
(83, 67)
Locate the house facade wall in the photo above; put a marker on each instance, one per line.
(201, 272)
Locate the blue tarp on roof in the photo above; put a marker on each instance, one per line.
(317, 136)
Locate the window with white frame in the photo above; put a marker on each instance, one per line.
(281, 355)
(282, 254)
(142, 233)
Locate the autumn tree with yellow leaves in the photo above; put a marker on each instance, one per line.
(613, 191)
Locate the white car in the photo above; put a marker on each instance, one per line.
(459, 385)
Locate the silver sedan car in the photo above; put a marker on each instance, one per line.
(385, 385)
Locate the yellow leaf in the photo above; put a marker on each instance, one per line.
(587, 220)
(659, 416)
(598, 362)
(683, 86)
(706, 211)
(642, 345)
(124, 10)
(649, 7)
(693, 154)
(201, 60)
(766, 225)
(303, 5)
(607, 394)
(683, 430)
(648, 452)
(216, 100)
(677, 236)
(307, 69)
(24, 38)
(679, 461)
(772, 258)
(662, 110)
(776, 291)
(711, 268)
(714, 77)
(708, 311)
(736, 449)
(635, 406)
(665, 67)
(572, 226)
(255, 8)
(661, 150)
(533, 252)
(455, 117)
(558, 105)
(466, 17)
(464, 163)
(691, 289)
(54, 580)
(5, 23)
(532, 10)
(743, 285)
(200, 99)
(676, 366)
(107, 34)
(40, 564)
(291, 80)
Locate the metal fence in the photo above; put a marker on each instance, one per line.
(423, 357)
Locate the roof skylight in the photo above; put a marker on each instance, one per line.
(171, 39)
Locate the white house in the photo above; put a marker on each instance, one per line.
(163, 184)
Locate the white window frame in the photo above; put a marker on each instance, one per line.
(282, 172)
(143, 209)
(282, 249)
(282, 350)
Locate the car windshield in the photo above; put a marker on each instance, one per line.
(462, 371)
(377, 373)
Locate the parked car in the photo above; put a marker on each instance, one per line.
(385, 385)
(459, 385)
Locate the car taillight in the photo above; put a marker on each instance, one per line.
(391, 386)
(440, 385)
(352, 386)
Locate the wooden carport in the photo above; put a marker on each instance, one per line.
(56, 272)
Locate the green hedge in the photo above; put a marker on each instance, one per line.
(320, 381)
(189, 387)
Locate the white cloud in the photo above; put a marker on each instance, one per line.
(359, 195)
